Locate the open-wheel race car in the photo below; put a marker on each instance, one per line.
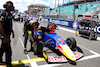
(47, 37)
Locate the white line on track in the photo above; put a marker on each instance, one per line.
(89, 50)
(98, 38)
(65, 29)
(50, 65)
(91, 56)
(33, 64)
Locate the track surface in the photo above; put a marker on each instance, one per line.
(91, 50)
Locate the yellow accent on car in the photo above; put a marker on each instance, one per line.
(45, 55)
(68, 53)
(39, 30)
(45, 32)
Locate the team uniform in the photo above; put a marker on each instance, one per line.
(26, 36)
(6, 18)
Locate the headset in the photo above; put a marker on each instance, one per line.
(5, 5)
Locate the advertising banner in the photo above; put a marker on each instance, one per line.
(65, 23)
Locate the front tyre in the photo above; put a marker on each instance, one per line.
(71, 43)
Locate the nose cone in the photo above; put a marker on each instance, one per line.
(68, 53)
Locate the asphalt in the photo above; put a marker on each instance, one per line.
(91, 49)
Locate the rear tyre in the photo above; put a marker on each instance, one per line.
(71, 43)
(80, 31)
(84, 32)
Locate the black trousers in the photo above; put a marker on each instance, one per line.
(25, 39)
(6, 47)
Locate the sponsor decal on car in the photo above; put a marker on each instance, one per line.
(57, 59)
(59, 46)
(78, 55)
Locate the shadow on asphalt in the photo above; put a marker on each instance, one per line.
(22, 65)
(19, 64)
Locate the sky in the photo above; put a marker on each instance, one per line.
(21, 5)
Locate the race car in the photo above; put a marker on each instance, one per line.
(47, 37)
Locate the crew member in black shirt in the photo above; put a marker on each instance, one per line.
(6, 30)
(26, 36)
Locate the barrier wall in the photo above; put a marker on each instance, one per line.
(65, 23)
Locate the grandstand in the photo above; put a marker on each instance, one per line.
(33, 10)
(66, 11)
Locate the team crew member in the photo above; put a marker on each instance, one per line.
(32, 31)
(26, 36)
(6, 30)
(40, 19)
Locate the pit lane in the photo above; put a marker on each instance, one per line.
(90, 48)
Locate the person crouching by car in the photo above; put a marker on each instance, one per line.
(32, 31)
(26, 36)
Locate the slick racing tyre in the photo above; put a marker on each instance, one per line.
(71, 43)
(38, 48)
(90, 33)
(82, 31)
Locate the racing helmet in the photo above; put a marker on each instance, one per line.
(51, 28)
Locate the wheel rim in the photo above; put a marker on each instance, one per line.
(92, 34)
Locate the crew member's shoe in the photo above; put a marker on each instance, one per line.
(25, 51)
